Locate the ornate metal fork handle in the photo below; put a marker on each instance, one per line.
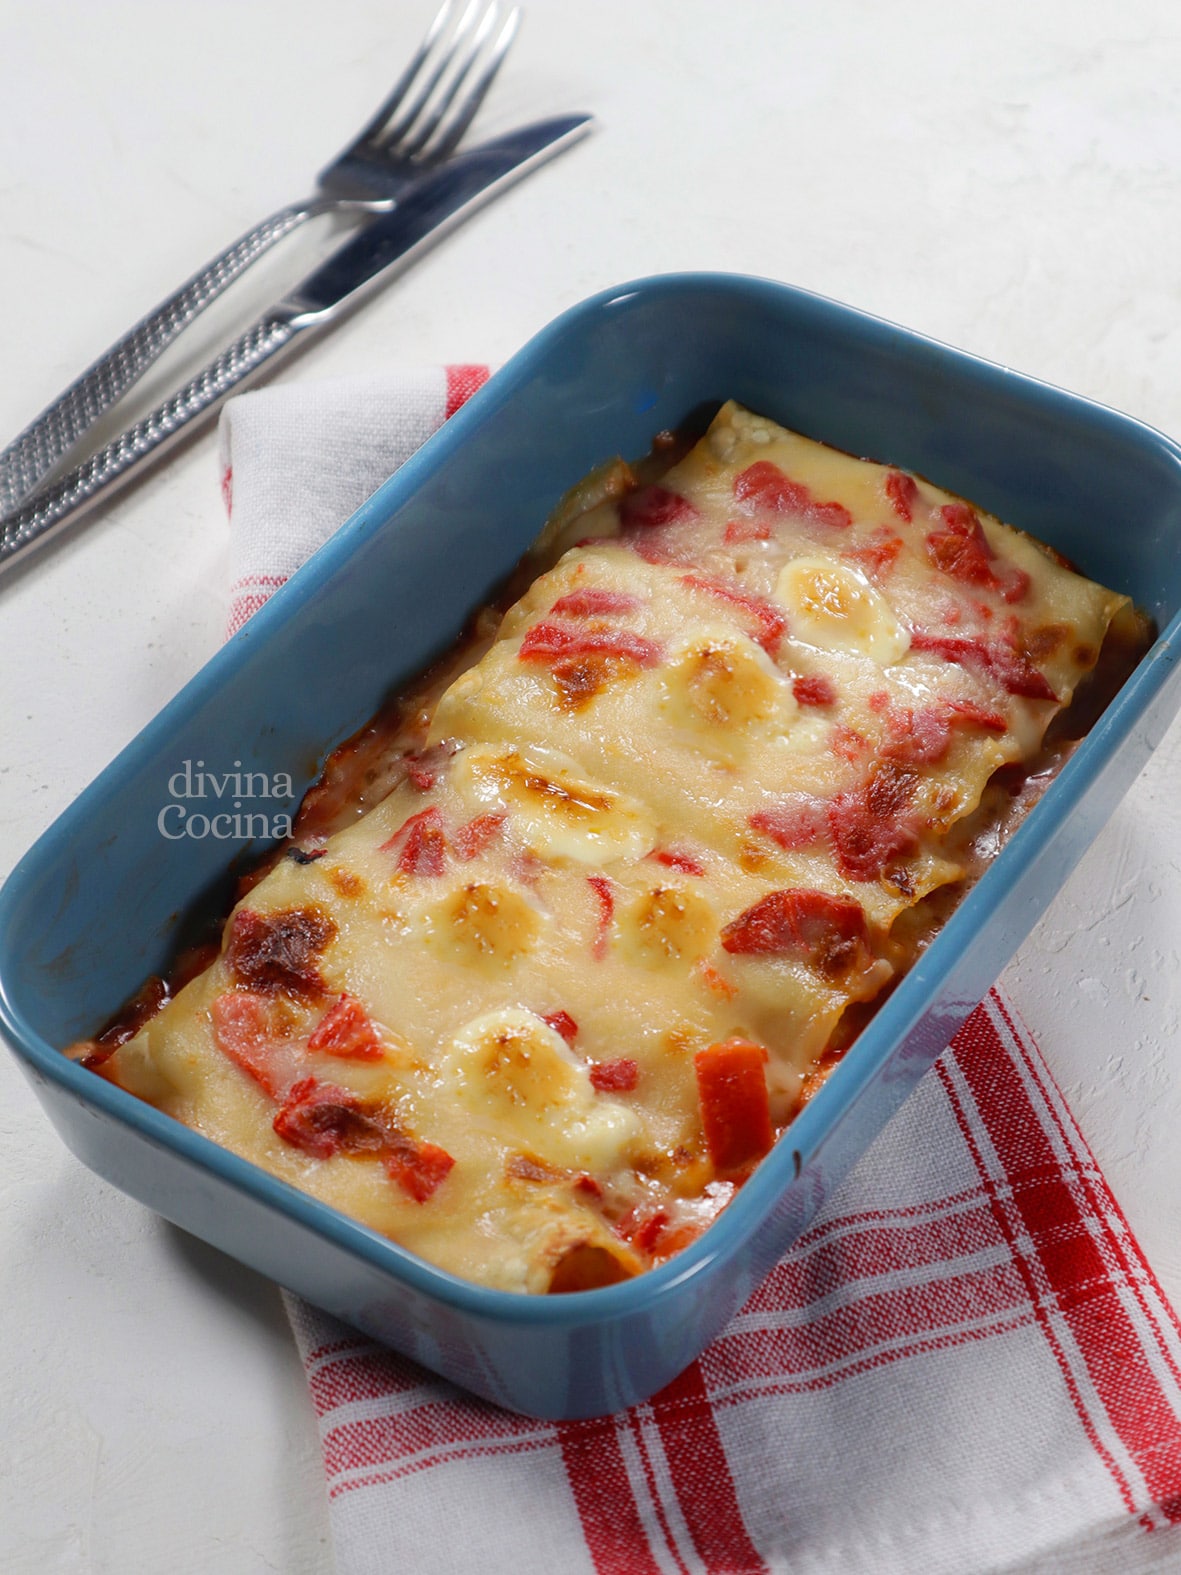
(57, 504)
(29, 458)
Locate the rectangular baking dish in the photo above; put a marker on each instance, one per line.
(100, 901)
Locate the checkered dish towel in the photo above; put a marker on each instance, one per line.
(965, 1364)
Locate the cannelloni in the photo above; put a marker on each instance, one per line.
(614, 895)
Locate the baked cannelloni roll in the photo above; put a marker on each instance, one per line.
(638, 873)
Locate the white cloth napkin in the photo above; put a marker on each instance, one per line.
(288, 480)
(964, 1365)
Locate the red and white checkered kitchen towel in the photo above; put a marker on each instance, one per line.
(964, 1365)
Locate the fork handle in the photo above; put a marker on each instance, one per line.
(55, 507)
(29, 458)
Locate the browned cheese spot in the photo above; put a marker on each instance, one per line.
(345, 882)
(683, 1040)
(751, 859)
(578, 679)
(524, 1167)
(1044, 642)
(582, 804)
(276, 952)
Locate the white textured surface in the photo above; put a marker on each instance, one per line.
(1004, 177)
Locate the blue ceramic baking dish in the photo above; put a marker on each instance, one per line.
(99, 903)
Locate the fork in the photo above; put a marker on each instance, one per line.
(417, 126)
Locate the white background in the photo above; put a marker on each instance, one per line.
(1006, 177)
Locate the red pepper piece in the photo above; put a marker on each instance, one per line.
(769, 623)
(605, 897)
(424, 848)
(618, 1076)
(594, 601)
(847, 743)
(870, 827)
(1011, 668)
(917, 737)
(562, 1023)
(656, 546)
(735, 1106)
(766, 486)
(417, 1166)
(1015, 583)
(742, 530)
(813, 689)
(346, 1031)
(876, 555)
(961, 549)
(545, 642)
(322, 1120)
(653, 507)
(475, 836)
(248, 1030)
(420, 773)
(829, 932)
(902, 493)
(795, 822)
(650, 1230)
(672, 859)
(980, 716)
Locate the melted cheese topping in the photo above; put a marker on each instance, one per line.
(517, 1076)
(539, 1010)
(835, 608)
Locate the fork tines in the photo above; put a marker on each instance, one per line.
(426, 113)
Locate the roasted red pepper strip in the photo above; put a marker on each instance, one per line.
(766, 486)
(649, 1231)
(547, 642)
(876, 556)
(768, 622)
(275, 952)
(917, 735)
(828, 932)
(738, 531)
(673, 859)
(653, 507)
(795, 822)
(562, 1023)
(960, 548)
(322, 1120)
(605, 897)
(249, 1030)
(418, 1167)
(595, 601)
(813, 689)
(872, 827)
(1010, 668)
(902, 493)
(735, 1107)
(969, 711)
(346, 1031)
(473, 837)
(618, 1076)
(424, 848)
